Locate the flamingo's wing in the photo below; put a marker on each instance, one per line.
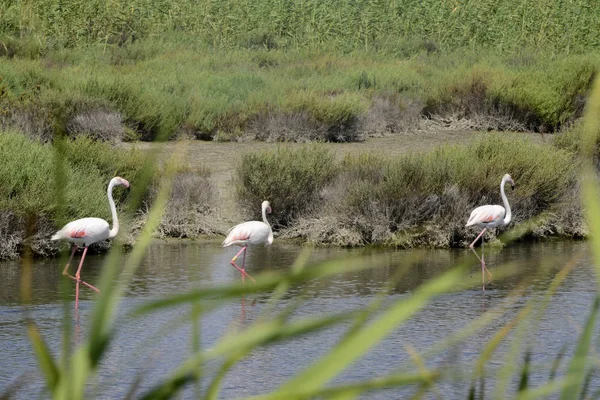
(253, 231)
(486, 214)
(84, 228)
(237, 233)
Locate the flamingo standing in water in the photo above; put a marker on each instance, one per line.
(86, 231)
(250, 233)
(490, 216)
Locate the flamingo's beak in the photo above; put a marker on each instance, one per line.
(125, 183)
(269, 210)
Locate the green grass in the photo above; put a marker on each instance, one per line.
(291, 180)
(229, 94)
(368, 325)
(415, 199)
(28, 186)
(397, 27)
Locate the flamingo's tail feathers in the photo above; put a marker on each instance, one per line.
(56, 236)
(472, 219)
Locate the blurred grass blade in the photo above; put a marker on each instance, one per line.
(355, 388)
(353, 347)
(524, 381)
(10, 390)
(507, 370)
(591, 131)
(257, 334)
(543, 391)
(46, 363)
(269, 281)
(213, 389)
(576, 371)
(79, 371)
(586, 383)
(556, 362)
(471, 395)
(101, 322)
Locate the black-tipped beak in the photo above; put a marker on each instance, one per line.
(512, 186)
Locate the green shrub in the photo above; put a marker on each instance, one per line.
(27, 183)
(425, 198)
(193, 198)
(291, 179)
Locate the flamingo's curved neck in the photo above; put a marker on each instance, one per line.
(115, 229)
(508, 214)
(264, 215)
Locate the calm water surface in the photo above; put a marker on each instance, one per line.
(148, 346)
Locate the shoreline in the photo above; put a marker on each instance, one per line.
(225, 212)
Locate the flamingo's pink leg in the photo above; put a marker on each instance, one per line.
(481, 259)
(69, 262)
(483, 262)
(477, 238)
(65, 273)
(244, 263)
(78, 279)
(241, 269)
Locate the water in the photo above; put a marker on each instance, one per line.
(148, 346)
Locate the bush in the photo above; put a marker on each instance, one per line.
(290, 178)
(426, 198)
(192, 200)
(28, 185)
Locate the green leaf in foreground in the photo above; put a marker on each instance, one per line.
(47, 365)
(258, 334)
(576, 372)
(354, 346)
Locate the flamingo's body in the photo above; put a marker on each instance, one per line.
(86, 231)
(490, 216)
(249, 233)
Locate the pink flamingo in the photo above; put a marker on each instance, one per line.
(490, 216)
(250, 233)
(86, 231)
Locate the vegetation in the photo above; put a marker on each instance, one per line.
(290, 180)
(418, 198)
(28, 203)
(145, 90)
(191, 203)
(397, 27)
(69, 377)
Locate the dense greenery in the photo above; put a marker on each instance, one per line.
(397, 27)
(417, 198)
(28, 186)
(568, 376)
(290, 179)
(28, 183)
(145, 90)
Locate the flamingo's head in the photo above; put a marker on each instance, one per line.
(509, 179)
(266, 206)
(118, 181)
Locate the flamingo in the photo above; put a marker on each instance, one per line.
(250, 233)
(490, 216)
(85, 231)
